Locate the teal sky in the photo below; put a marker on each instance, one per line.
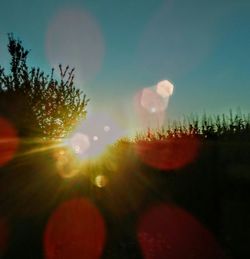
(202, 47)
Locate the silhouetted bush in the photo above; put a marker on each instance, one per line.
(38, 103)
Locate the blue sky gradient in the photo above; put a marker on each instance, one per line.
(202, 47)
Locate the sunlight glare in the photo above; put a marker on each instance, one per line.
(79, 143)
(93, 135)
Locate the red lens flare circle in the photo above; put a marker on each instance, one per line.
(149, 108)
(75, 230)
(171, 232)
(9, 141)
(169, 154)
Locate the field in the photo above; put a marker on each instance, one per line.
(179, 192)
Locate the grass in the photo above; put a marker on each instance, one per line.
(207, 127)
(212, 188)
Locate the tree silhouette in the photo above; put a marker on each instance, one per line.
(37, 102)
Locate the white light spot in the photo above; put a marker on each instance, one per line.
(106, 128)
(165, 88)
(77, 149)
(95, 138)
(153, 110)
(79, 143)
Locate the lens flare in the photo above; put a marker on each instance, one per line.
(74, 38)
(166, 231)
(106, 128)
(149, 108)
(9, 141)
(79, 143)
(165, 88)
(151, 104)
(75, 230)
(101, 181)
(95, 138)
(125, 192)
(66, 165)
(93, 135)
(169, 154)
(151, 100)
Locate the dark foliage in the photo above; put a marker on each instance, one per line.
(38, 103)
(220, 127)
